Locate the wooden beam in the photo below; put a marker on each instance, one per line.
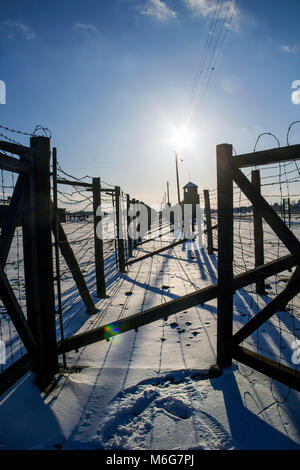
(156, 252)
(13, 164)
(267, 212)
(72, 263)
(139, 319)
(174, 306)
(14, 310)
(74, 183)
(277, 304)
(167, 233)
(265, 157)
(14, 148)
(266, 366)
(13, 214)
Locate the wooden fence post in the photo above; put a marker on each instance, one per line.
(57, 263)
(225, 255)
(258, 233)
(98, 240)
(210, 243)
(129, 239)
(160, 223)
(40, 292)
(149, 218)
(120, 241)
(138, 227)
(289, 212)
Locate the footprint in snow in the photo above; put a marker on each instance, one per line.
(174, 407)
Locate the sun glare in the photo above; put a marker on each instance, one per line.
(181, 138)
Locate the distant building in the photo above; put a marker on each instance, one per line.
(191, 196)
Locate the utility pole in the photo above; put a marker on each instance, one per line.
(168, 194)
(177, 176)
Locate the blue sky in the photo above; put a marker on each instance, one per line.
(111, 79)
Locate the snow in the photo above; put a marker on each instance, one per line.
(149, 389)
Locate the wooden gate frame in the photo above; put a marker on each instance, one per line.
(31, 202)
(228, 345)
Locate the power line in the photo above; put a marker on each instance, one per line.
(212, 57)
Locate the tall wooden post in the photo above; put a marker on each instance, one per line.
(289, 212)
(138, 226)
(120, 241)
(160, 223)
(57, 263)
(40, 301)
(225, 255)
(283, 208)
(134, 201)
(258, 233)
(129, 239)
(168, 194)
(98, 240)
(177, 177)
(210, 243)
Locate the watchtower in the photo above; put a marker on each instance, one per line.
(191, 196)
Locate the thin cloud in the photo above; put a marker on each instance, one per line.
(17, 28)
(289, 49)
(159, 10)
(86, 27)
(295, 96)
(207, 8)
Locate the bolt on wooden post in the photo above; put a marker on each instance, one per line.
(98, 240)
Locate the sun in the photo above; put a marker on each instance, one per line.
(181, 138)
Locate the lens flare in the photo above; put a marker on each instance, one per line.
(110, 330)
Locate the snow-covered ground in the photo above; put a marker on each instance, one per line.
(149, 389)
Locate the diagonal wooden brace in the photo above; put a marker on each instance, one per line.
(12, 215)
(72, 263)
(267, 212)
(279, 303)
(14, 310)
